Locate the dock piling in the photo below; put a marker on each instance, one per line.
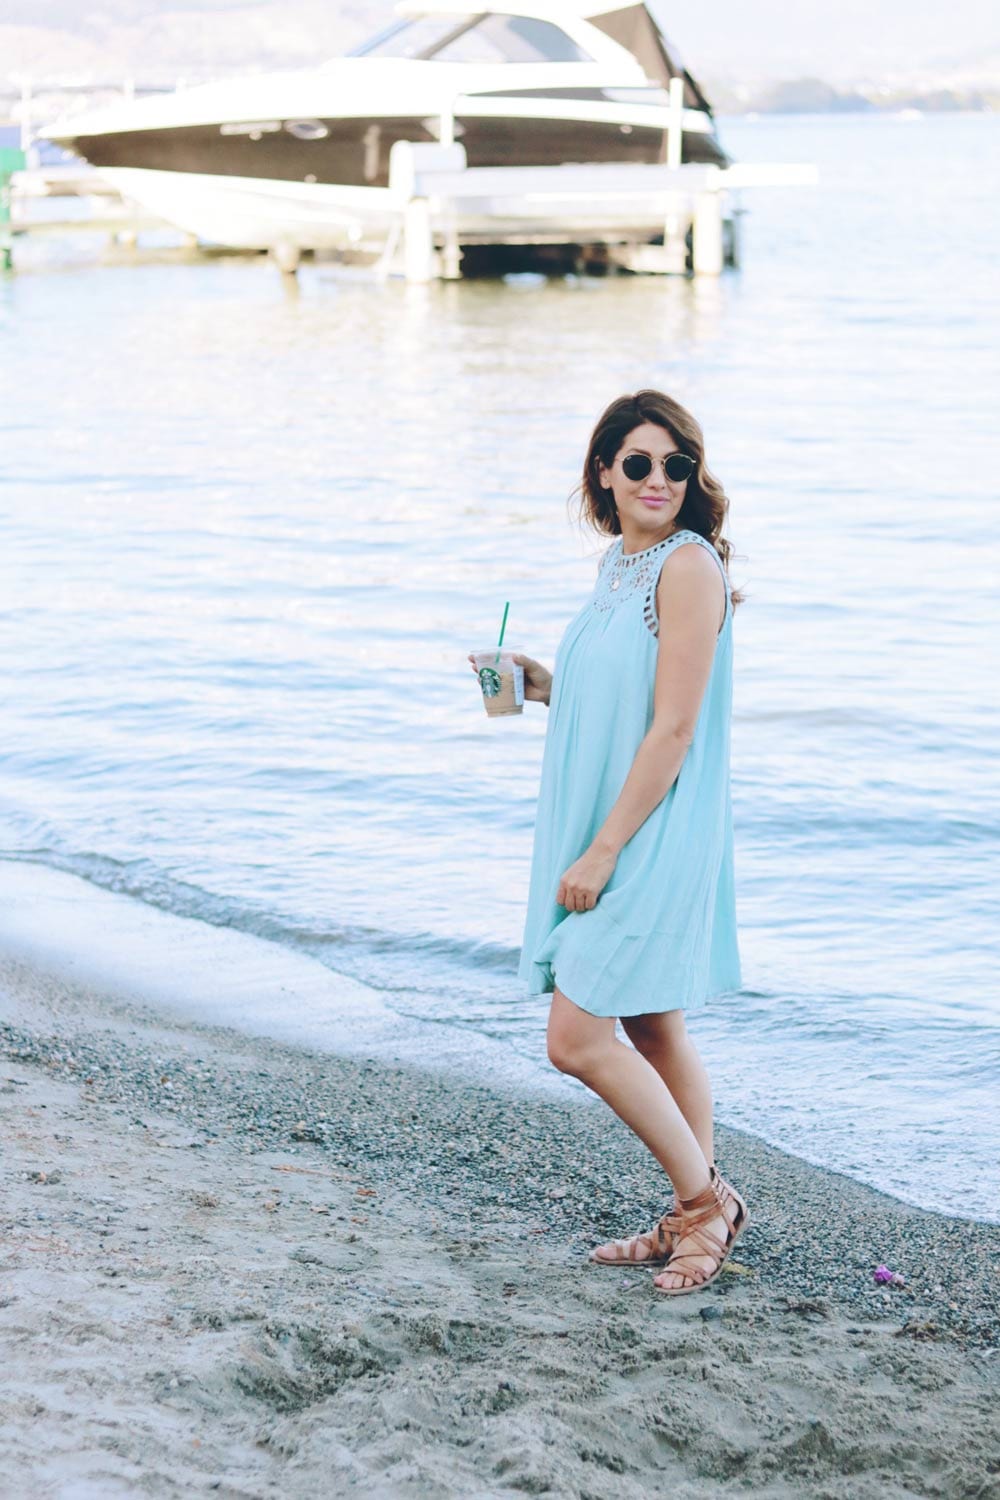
(287, 257)
(674, 237)
(418, 241)
(451, 255)
(707, 233)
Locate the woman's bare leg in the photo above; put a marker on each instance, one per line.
(664, 1042)
(586, 1047)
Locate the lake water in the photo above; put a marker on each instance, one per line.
(247, 535)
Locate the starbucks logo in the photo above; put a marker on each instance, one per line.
(489, 681)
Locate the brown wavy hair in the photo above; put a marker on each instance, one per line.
(705, 504)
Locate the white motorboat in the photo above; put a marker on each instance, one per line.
(301, 159)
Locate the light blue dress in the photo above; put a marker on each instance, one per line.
(663, 933)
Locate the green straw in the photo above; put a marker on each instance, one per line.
(503, 627)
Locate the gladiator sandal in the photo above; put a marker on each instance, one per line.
(691, 1222)
(650, 1248)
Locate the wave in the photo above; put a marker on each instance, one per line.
(774, 823)
(143, 881)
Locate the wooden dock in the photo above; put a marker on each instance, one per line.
(104, 209)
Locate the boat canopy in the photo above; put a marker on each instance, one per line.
(634, 27)
(532, 33)
(490, 38)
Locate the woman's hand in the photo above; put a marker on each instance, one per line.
(537, 679)
(585, 879)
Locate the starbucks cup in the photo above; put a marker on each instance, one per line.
(502, 681)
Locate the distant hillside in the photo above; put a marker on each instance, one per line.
(814, 96)
(157, 43)
(774, 54)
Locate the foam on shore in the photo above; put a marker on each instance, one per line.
(65, 926)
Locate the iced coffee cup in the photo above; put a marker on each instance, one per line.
(502, 681)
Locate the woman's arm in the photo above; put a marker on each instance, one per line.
(689, 607)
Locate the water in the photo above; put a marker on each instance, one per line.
(248, 536)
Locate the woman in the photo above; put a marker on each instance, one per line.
(631, 908)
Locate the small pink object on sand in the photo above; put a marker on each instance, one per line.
(891, 1278)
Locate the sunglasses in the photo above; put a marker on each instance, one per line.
(676, 466)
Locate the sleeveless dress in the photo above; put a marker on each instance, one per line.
(662, 935)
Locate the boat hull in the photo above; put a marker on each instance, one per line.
(264, 214)
(354, 152)
(248, 213)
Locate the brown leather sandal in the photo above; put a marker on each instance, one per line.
(650, 1248)
(691, 1221)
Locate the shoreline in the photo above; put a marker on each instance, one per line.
(125, 948)
(231, 1262)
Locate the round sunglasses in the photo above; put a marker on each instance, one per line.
(676, 466)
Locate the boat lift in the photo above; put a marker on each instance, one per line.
(443, 203)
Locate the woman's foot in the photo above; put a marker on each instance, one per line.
(651, 1247)
(705, 1229)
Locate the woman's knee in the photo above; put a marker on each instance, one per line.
(658, 1032)
(577, 1042)
(572, 1054)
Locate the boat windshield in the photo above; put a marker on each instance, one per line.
(475, 39)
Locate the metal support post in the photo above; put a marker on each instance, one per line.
(418, 241)
(674, 225)
(707, 253)
(451, 255)
(674, 232)
(287, 256)
(675, 123)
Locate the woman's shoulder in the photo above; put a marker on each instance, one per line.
(701, 555)
(698, 567)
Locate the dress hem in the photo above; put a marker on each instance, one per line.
(610, 963)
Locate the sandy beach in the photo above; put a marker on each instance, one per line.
(237, 1267)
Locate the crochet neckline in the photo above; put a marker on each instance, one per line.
(628, 556)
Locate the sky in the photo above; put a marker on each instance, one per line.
(750, 41)
(841, 40)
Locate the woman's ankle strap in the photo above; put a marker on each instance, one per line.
(707, 1198)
